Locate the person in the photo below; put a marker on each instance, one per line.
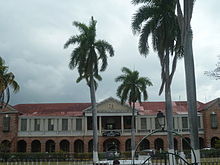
(116, 162)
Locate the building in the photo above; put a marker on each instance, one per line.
(68, 126)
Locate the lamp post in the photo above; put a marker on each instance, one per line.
(160, 119)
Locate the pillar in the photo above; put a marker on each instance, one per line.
(122, 124)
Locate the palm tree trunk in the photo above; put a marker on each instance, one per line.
(191, 92)
(94, 121)
(169, 108)
(190, 81)
(133, 132)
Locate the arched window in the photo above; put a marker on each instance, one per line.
(201, 143)
(186, 143)
(5, 146)
(128, 145)
(158, 144)
(21, 146)
(78, 146)
(175, 144)
(65, 145)
(213, 142)
(90, 146)
(111, 144)
(145, 144)
(50, 146)
(35, 146)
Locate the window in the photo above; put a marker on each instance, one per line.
(185, 122)
(50, 124)
(214, 122)
(157, 125)
(37, 124)
(110, 106)
(127, 122)
(199, 122)
(143, 123)
(78, 124)
(23, 124)
(6, 123)
(64, 124)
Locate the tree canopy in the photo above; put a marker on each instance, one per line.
(7, 81)
(90, 55)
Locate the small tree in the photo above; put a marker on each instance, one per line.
(132, 89)
(7, 81)
(216, 72)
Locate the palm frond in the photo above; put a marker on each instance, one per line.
(81, 27)
(72, 40)
(144, 14)
(126, 70)
(136, 2)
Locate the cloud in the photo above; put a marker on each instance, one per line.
(33, 34)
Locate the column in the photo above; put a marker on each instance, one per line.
(71, 146)
(41, 124)
(31, 124)
(69, 124)
(180, 124)
(55, 124)
(46, 124)
(100, 125)
(19, 124)
(28, 147)
(148, 123)
(28, 124)
(43, 146)
(57, 146)
(136, 124)
(152, 123)
(58, 125)
(85, 125)
(122, 124)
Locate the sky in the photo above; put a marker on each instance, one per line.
(33, 32)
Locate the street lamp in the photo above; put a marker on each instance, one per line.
(160, 119)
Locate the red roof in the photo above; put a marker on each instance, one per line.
(151, 108)
(52, 109)
(76, 109)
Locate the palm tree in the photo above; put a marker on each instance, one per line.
(158, 19)
(131, 89)
(184, 20)
(89, 57)
(7, 81)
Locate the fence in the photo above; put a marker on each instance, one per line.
(210, 157)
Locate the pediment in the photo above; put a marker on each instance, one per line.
(111, 105)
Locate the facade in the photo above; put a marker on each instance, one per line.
(68, 126)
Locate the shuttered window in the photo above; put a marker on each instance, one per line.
(23, 124)
(50, 124)
(37, 124)
(6, 124)
(214, 122)
(64, 124)
(143, 123)
(78, 124)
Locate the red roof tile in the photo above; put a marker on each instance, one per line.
(151, 108)
(52, 109)
(76, 109)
